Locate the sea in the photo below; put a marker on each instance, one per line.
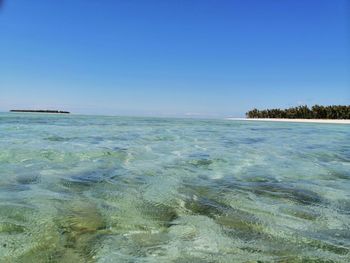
(77, 188)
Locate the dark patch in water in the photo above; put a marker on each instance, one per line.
(57, 139)
(278, 190)
(11, 228)
(252, 140)
(202, 200)
(164, 138)
(82, 182)
(201, 162)
(301, 212)
(201, 197)
(241, 224)
(204, 206)
(119, 149)
(28, 179)
(164, 214)
(200, 159)
(82, 227)
(199, 155)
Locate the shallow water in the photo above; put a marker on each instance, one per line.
(116, 189)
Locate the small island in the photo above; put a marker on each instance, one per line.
(42, 111)
(335, 114)
(332, 112)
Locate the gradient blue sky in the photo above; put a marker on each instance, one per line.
(173, 57)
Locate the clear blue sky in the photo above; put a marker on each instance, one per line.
(173, 57)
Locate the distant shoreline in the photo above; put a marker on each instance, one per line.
(331, 121)
(42, 111)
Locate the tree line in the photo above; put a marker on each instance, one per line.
(303, 112)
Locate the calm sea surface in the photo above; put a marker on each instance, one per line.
(116, 189)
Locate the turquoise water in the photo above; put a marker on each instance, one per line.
(117, 189)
